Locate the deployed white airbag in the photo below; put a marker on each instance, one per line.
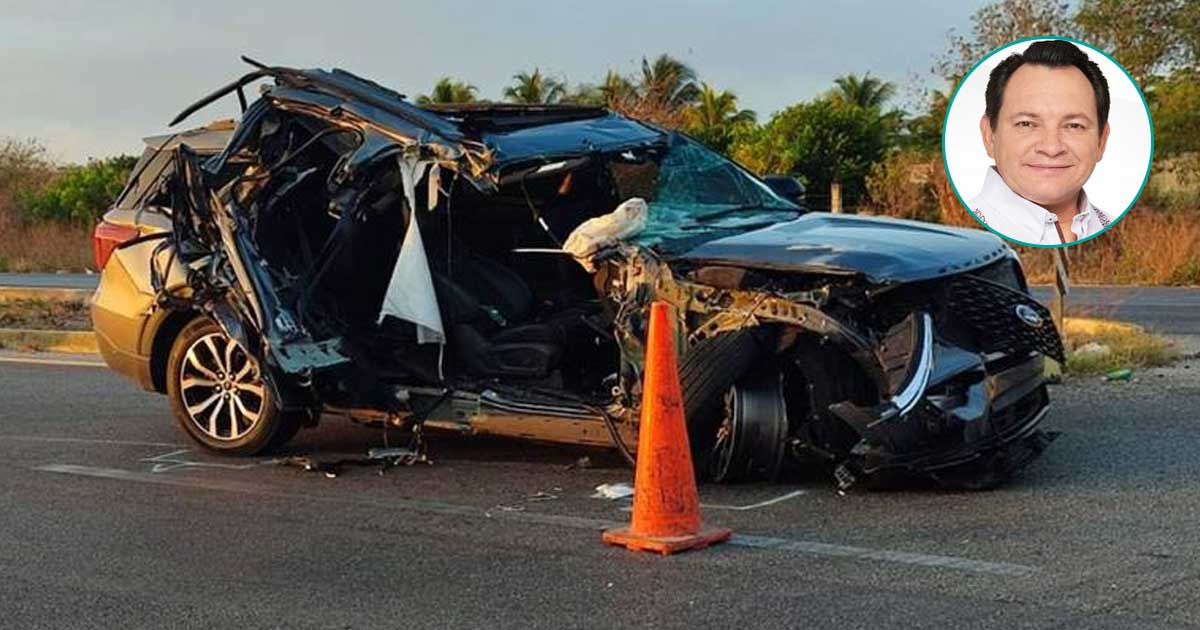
(628, 220)
(410, 295)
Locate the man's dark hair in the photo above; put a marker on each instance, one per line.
(1054, 53)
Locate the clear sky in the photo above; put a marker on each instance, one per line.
(89, 78)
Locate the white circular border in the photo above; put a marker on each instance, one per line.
(1119, 175)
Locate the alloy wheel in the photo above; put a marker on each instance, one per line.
(221, 387)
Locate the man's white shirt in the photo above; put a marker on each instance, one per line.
(1018, 218)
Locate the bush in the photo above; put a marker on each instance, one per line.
(1146, 247)
(1174, 103)
(823, 139)
(1155, 244)
(24, 169)
(79, 194)
(1174, 183)
(1187, 274)
(50, 247)
(902, 186)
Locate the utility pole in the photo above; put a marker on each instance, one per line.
(835, 195)
(1058, 306)
(1062, 286)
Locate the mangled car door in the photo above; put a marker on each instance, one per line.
(235, 287)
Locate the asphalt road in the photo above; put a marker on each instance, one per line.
(50, 280)
(1174, 310)
(1164, 309)
(112, 519)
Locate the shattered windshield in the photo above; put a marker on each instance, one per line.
(695, 194)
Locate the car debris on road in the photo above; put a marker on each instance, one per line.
(613, 491)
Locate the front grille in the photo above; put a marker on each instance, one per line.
(990, 310)
(1004, 272)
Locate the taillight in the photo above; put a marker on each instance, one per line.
(106, 238)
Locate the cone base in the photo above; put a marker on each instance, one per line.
(666, 545)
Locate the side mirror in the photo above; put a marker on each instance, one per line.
(787, 187)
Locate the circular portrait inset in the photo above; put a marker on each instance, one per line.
(1047, 142)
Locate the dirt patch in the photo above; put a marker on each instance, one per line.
(45, 315)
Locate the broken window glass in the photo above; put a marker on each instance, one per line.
(698, 195)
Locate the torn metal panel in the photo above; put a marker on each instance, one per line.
(916, 375)
(141, 256)
(951, 429)
(341, 107)
(711, 311)
(385, 103)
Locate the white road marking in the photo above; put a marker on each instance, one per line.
(763, 543)
(45, 438)
(755, 506)
(40, 361)
(903, 557)
(171, 461)
(743, 508)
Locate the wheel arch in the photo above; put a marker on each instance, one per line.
(164, 337)
(819, 372)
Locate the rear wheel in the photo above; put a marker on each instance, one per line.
(219, 396)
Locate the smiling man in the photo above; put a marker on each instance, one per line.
(1045, 125)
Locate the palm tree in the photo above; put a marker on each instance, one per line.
(584, 94)
(617, 88)
(715, 117)
(718, 109)
(536, 88)
(668, 81)
(447, 90)
(865, 91)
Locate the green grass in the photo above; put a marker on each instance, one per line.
(1129, 347)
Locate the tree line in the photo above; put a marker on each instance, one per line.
(886, 158)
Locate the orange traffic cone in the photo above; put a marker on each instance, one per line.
(666, 506)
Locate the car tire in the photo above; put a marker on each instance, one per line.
(218, 395)
(707, 372)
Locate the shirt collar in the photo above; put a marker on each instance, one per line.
(996, 190)
(1085, 208)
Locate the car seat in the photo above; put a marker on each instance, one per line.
(487, 309)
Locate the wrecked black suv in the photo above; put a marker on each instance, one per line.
(489, 268)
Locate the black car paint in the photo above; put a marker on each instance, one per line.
(601, 134)
(882, 249)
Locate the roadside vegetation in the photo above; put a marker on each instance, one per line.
(47, 210)
(885, 155)
(1096, 346)
(42, 314)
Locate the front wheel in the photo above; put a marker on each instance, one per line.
(219, 396)
(707, 372)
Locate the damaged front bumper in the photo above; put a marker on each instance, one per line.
(968, 420)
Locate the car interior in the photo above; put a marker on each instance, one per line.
(515, 310)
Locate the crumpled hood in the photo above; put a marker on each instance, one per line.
(882, 249)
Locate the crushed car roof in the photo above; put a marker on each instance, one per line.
(515, 132)
(509, 132)
(207, 139)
